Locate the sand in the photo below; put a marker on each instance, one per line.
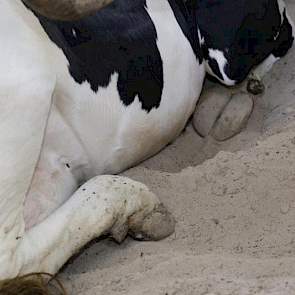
(234, 203)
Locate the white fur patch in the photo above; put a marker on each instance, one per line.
(222, 62)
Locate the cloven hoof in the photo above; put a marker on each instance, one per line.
(255, 86)
(32, 284)
(157, 225)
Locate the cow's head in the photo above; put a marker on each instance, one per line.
(66, 10)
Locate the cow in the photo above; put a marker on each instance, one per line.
(239, 35)
(89, 89)
(240, 40)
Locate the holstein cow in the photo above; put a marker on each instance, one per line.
(238, 39)
(89, 87)
(237, 35)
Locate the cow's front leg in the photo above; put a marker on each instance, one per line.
(104, 205)
(255, 84)
(222, 112)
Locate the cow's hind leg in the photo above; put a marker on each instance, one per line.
(25, 107)
(104, 205)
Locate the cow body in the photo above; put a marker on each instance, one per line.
(114, 95)
(85, 118)
(81, 99)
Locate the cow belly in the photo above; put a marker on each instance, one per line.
(115, 135)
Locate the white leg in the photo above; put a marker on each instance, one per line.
(105, 204)
(255, 85)
(24, 109)
(262, 69)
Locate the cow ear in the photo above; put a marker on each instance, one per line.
(66, 10)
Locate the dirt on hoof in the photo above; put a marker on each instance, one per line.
(159, 224)
(255, 86)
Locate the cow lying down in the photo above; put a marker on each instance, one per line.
(90, 88)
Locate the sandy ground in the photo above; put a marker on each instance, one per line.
(235, 209)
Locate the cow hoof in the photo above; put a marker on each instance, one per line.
(255, 86)
(119, 232)
(234, 117)
(35, 283)
(157, 225)
(212, 103)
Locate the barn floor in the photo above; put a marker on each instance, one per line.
(235, 212)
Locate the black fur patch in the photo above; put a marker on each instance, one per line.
(244, 31)
(285, 38)
(120, 38)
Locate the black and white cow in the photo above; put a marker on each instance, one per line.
(87, 92)
(239, 35)
(239, 39)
